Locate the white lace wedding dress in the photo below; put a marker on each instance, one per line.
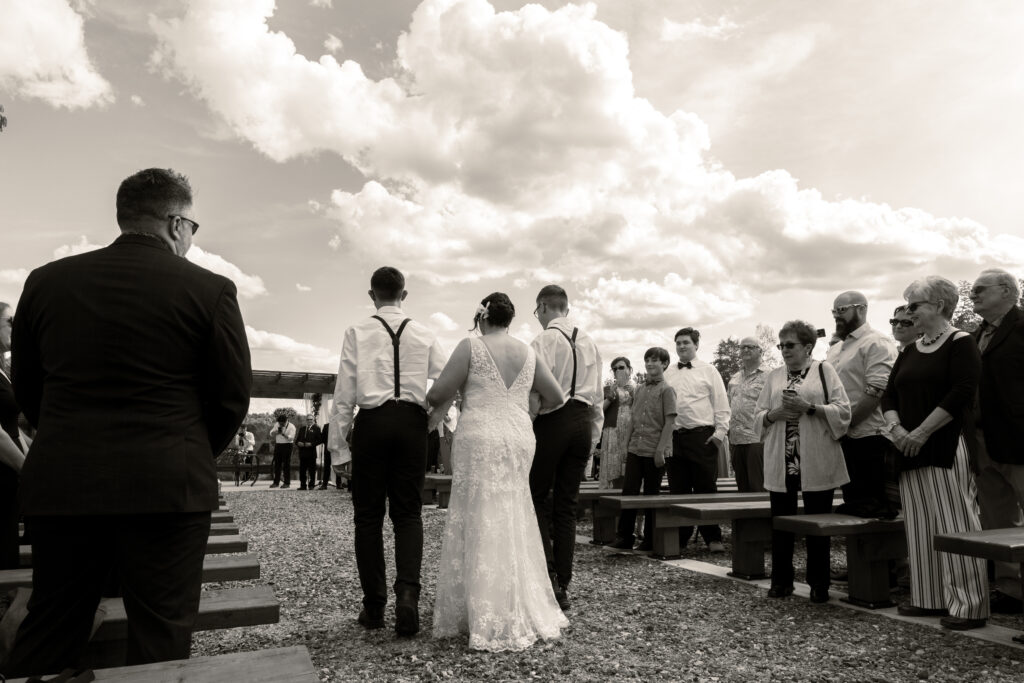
(493, 580)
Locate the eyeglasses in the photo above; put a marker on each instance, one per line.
(836, 312)
(620, 367)
(978, 289)
(787, 345)
(749, 347)
(192, 223)
(914, 305)
(896, 322)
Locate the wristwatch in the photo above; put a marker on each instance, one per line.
(812, 410)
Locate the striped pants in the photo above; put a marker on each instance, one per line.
(937, 500)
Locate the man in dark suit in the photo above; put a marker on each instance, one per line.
(133, 364)
(998, 455)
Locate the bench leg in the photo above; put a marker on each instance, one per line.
(867, 559)
(605, 525)
(666, 533)
(442, 499)
(427, 497)
(749, 539)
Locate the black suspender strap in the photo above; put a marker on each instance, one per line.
(394, 343)
(572, 345)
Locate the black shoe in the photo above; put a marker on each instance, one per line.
(908, 610)
(302, 488)
(819, 595)
(562, 597)
(780, 591)
(372, 618)
(407, 614)
(286, 486)
(274, 486)
(622, 544)
(961, 623)
(646, 546)
(1001, 603)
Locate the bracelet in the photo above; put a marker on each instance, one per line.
(892, 425)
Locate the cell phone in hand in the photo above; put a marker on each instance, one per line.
(789, 392)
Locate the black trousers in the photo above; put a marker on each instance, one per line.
(9, 541)
(639, 471)
(307, 468)
(389, 450)
(865, 463)
(327, 471)
(748, 463)
(282, 465)
(693, 468)
(815, 503)
(563, 447)
(158, 559)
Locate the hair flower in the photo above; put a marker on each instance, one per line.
(483, 310)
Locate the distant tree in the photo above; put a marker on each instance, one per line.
(727, 358)
(767, 338)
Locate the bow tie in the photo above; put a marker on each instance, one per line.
(688, 365)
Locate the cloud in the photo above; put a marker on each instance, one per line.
(43, 56)
(249, 286)
(326, 4)
(513, 145)
(333, 44)
(82, 246)
(270, 347)
(302, 288)
(673, 30)
(13, 276)
(443, 322)
(138, 101)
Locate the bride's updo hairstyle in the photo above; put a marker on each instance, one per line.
(496, 309)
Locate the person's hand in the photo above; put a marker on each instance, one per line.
(913, 442)
(434, 419)
(781, 414)
(660, 455)
(713, 440)
(796, 403)
(899, 435)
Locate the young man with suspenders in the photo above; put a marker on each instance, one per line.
(566, 435)
(386, 361)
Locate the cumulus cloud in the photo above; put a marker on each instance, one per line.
(302, 288)
(13, 276)
(326, 4)
(249, 286)
(513, 145)
(270, 347)
(442, 322)
(82, 246)
(674, 30)
(333, 43)
(43, 56)
(138, 101)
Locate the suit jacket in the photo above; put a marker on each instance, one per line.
(1001, 390)
(133, 365)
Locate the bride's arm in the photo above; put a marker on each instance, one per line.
(452, 377)
(545, 384)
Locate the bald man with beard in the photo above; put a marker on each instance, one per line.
(863, 358)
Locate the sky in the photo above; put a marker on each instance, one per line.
(670, 163)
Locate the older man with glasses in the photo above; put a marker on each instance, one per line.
(863, 359)
(746, 449)
(997, 454)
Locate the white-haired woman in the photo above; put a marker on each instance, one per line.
(930, 393)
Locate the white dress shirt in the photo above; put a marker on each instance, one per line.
(366, 374)
(286, 435)
(701, 400)
(553, 348)
(246, 442)
(864, 359)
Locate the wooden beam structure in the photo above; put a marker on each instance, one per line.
(272, 384)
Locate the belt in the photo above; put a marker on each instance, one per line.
(684, 430)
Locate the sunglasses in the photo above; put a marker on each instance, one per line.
(749, 347)
(785, 346)
(914, 305)
(895, 322)
(978, 289)
(620, 367)
(836, 312)
(192, 223)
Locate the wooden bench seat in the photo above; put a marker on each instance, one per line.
(870, 544)
(217, 544)
(236, 567)
(442, 484)
(667, 520)
(223, 529)
(277, 665)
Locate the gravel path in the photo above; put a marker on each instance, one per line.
(631, 619)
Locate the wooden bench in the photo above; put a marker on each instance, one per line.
(223, 529)
(216, 545)
(667, 521)
(277, 665)
(216, 568)
(442, 484)
(999, 545)
(870, 545)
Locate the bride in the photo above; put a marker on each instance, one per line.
(493, 581)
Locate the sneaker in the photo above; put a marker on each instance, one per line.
(371, 618)
(622, 544)
(908, 610)
(716, 547)
(961, 623)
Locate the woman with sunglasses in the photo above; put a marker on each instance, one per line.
(930, 393)
(903, 329)
(12, 456)
(618, 402)
(802, 413)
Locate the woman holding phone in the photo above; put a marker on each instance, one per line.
(802, 413)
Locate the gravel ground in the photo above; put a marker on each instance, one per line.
(631, 618)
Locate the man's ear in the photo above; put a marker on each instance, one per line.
(369, 292)
(404, 294)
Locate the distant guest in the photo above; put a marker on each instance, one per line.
(903, 329)
(618, 402)
(283, 436)
(745, 446)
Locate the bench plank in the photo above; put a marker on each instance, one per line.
(1001, 545)
(283, 664)
(216, 544)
